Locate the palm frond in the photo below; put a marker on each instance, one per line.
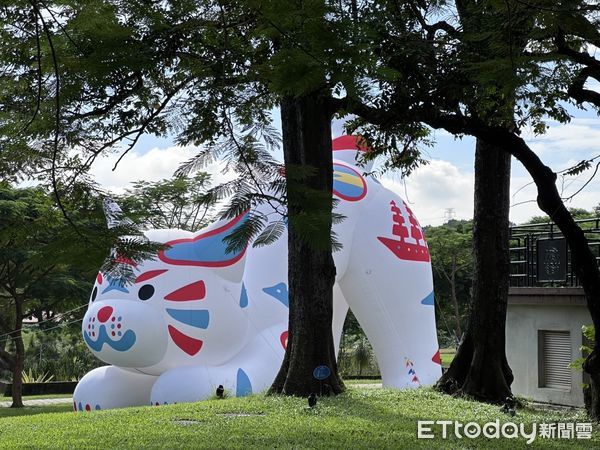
(245, 233)
(270, 234)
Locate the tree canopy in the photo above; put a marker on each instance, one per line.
(38, 277)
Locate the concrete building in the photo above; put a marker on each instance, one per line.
(543, 336)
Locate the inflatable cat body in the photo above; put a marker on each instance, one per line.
(197, 317)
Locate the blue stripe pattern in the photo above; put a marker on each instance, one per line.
(243, 297)
(209, 249)
(195, 318)
(428, 300)
(280, 292)
(243, 386)
(121, 345)
(115, 284)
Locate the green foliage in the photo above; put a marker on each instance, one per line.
(36, 266)
(577, 213)
(29, 377)
(589, 333)
(61, 353)
(270, 234)
(455, 64)
(579, 168)
(450, 247)
(258, 180)
(355, 356)
(46, 265)
(174, 203)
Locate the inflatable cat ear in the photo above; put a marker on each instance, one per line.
(349, 149)
(114, 214)
(207, 249)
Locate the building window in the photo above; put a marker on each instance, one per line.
(554, 357)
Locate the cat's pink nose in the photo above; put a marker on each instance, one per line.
(104, 313)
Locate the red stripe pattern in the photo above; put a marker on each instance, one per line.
(191, 292)
(186, 343)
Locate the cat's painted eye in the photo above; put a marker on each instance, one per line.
(145, 292)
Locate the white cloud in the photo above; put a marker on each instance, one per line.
(433, 188)
(153, 165)
(579, 135)
(524, 193)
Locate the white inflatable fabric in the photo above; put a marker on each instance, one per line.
(198, 317)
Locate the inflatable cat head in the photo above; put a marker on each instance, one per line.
(182, 307)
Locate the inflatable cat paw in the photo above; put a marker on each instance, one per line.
(197, 317)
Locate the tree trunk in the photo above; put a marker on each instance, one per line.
(480, 368)
(19, 358)
(17, 382)
(306, 123)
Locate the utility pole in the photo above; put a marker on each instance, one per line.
(449, 214)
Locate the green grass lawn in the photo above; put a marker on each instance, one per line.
(360, 418)
(447, 355)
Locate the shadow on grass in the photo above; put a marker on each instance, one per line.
(33, 410)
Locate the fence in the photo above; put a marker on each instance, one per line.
(540, 256)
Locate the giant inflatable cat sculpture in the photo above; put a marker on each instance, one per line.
(197, 317)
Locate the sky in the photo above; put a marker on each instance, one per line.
(441, 189)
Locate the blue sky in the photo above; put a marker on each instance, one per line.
(446, 182)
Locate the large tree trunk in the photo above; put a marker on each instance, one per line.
(306, 123)
(480, 368)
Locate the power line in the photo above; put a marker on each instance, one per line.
(53, 319)
(48, 329)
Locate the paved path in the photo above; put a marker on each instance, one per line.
(367, 385)
(40, 402)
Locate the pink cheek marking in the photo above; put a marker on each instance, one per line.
(104, 313)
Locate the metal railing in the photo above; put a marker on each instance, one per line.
(525, 254)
